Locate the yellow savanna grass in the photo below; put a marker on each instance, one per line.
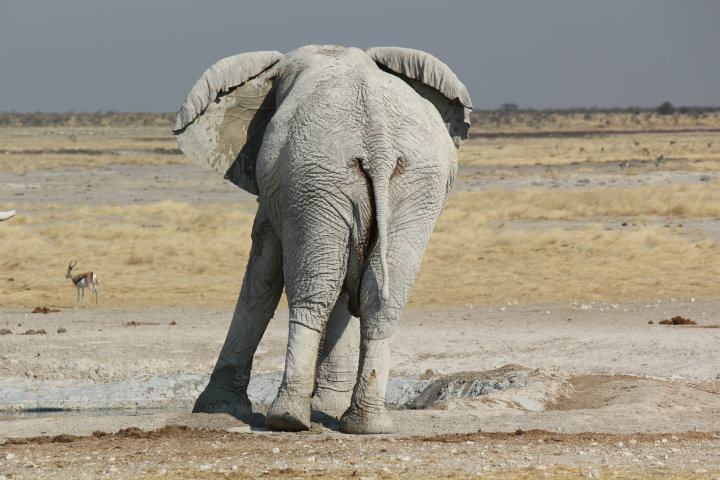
(701, 150)
(176, 254)
(683, 200)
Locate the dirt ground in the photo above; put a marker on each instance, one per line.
(558, 247)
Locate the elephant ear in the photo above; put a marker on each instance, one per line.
(220, 126)
(434, 81)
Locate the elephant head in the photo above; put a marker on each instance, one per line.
(352, 154)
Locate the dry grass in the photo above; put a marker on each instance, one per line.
(686, 147)
(25, 149)
(20, 164)
(697, 200)
(537, 121)
(175, 254)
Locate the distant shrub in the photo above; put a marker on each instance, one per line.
(665, 108)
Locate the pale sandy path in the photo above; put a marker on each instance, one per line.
(99, 346)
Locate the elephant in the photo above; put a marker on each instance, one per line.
(351, 154)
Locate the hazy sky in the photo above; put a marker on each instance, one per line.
(144, 55)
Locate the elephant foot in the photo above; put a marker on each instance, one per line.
(287, 415)
(330, 401)
(217, 400)
(357, 421)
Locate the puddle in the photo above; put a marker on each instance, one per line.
(511, 386)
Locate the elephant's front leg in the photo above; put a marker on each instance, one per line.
(259, 296)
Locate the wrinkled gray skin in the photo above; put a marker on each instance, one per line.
(351, 172)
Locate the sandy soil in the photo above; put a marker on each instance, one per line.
(621, 378)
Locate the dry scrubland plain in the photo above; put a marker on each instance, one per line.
(565, 234)
(530, 220)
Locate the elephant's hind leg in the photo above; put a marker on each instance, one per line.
(261, 289)
(337, 365)
(379, 318)
(314, 265)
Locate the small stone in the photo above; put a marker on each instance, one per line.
(540, 467)
(111, 469)
(205, 467)
(700, 471)
(10, 456)
(311, 459)
(162, 471)
(620, 444)
(243, 429)
(275, 450)
(234, 468)
(664, 440)
(593, 473)
(61, 330)
(404, 459)
(469, 442)
(632, 442)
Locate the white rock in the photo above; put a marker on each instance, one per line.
(243, 429)
(162, 471)
(275, 450)
(700, 471)
(10, 456)
(311, 459)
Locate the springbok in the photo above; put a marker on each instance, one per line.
(83, 281)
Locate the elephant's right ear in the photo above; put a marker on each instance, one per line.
(221, 125)
(432, 80)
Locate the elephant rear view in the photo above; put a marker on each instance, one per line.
(352, 154)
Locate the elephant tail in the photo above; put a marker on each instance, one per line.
(381, 189)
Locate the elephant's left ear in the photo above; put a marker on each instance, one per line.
(434, 81)
(221, 125)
